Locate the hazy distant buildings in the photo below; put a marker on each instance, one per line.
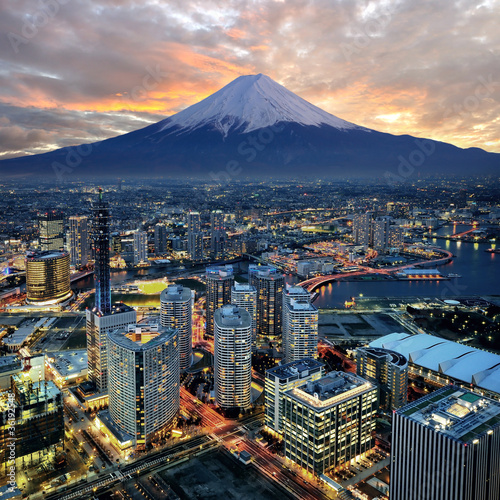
(269, 284)
(217, 234)
(232, 357)
(281, 379)
(219, 279)
(244, 296)
(47, 277)
(330, 421)
(445, 446)
(140, 247)
(51, 230)
(195, 236)
(388, 370)
(78, 241)
(176, 312)
(144, 380)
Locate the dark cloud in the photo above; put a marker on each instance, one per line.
(74, 71)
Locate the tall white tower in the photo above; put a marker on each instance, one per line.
(300, 335)
(244, 296)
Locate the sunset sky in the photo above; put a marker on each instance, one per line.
(75, 71)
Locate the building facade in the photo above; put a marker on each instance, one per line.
(79, 241)
(220, 280)
(244, 296)
(329, 422)
(144, 383)
(281, 379)
(388, 370)
(176, 313)
(140, 247)
(48, 277)
(160, 237)
(269, 284)
(446, 445)
(51, 230)
(232, 357)
(300, 331)
(195, 236)
(217, 234)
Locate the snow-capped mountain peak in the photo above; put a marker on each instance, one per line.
(249, 103)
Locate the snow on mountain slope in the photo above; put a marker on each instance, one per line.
(249, 103)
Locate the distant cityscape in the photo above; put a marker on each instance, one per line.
(297, 339)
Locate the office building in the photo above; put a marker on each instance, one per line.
(176, 313)
(195, 236)
(269, 284)
(220, 279)
(217, 234)
(160, 239)
(232, 357)
(48, 277)
(244, 296)
(103, 317)
(445, 446)
(283, 378)
(329, 422)
(32, 413)
(140, 247)
(79, 241)
(144, 383)
(388, 370)
(300, 331)
(51, 230)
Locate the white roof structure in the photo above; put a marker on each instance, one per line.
(458, 361)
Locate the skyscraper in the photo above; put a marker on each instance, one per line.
(195, 236)
(389, 370)
(217, 234)
(269, 284)
(51, 229)
(103, 317)
(78, 241)
(160, 239)
(232, 357)
(176, 312)
(140, 247)
(381, 233)
(445, 446)
(144, 382)
(361, 226)
(220, 279)
(300, 332)
(244, 296)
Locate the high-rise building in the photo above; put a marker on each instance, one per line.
(51, 230)
(160, 239)
(388, 370)
(144, 384)
(176, 312)
(269, 284)
(292, 292)
(445, 446)
(300, 332)
(220, 279)
(381, 233)
(195, 236)
(140, 247)
(31, 419)
(78, 241)
(103, 317)
(217, 234)
(232, 357)
(48, 277)
(361, 226)
(328, 422)
(244, 296)
(281, 379)
(396, 237)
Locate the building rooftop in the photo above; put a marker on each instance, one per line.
(221, 271)
(263, 271)
(141, 337)
(243, 287)
(230, 315)
(462, 363)
(69, 364)
(117, 308)
(295, 369)
(8, 363)
(45, 255)
(175, 293)
(395, 357)
(330, 390)
(459, 414)
(301, 305)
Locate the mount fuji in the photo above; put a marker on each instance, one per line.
(254, 127)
